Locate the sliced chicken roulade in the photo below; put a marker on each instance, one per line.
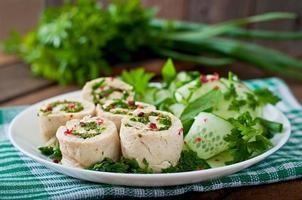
(88, 141)
(152, 136)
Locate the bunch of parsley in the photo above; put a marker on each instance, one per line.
(79, 41)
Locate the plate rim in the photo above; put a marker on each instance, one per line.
(46, 162)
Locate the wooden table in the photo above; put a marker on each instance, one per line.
(19, 87)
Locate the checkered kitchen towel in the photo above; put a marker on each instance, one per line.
(21, 177)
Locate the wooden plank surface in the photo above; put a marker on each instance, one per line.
(19, 15)
(16, 80)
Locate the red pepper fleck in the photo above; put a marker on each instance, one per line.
(99, 121)
(102, 87)
(131, 103)
(71, 105)
(205, 119)
(215, 77)
(140, 106)
(111, 78)
(48, 108)
(203, 78)
(198, 139)
(185, 142)
(180, 131)
(56, 161)
(152, 126)
(68, 132)
(140, 114)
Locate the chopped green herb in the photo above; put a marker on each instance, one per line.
(98, 84)
(236, 104)
(46, 151)
(124, 165)
(265, 96)
(231, 92)
(53, 153)
(125, 95)
(144, 118)
(251, 101)
(88, 130)
(189, 161)
(165, 121)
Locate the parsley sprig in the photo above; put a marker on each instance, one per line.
(123, 165)
(189, 161)
(250, 136)
(53, 153)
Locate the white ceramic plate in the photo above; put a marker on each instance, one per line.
(24, 135)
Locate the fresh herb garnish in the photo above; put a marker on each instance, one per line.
(144, 118)
(53, 153)
(99, 84)
(123, 165)
(88, 129)
(189, 161)
(265, 96)
(250, 137)
(252, 101)
(139, 79)
(168, 72)
(236, 104)
(231, 92)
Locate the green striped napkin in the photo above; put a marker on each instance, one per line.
(21, 177)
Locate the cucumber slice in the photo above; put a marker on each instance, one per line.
(220, 159)
(206, 134)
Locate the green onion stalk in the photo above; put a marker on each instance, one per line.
(81, 39)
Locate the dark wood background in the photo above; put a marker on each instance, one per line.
(18, 86)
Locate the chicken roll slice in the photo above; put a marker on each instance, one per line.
(88, 141)
(100, 90)
(153, 136)
(115, 110)
(54, 114)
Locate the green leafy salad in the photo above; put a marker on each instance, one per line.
(221, 117)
